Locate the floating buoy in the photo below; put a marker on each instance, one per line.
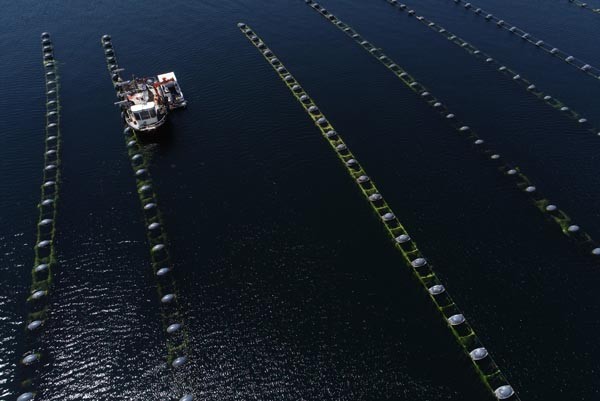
(525, 36)
(106, 38)
(275, 61)
(141, 171)
(341, 147)
(362, 179)
(47, 202)
(375, 197)
(596, 251)
(478, 354)
(388, 217)
(478, 142)
(30, 359)
(489, 60)
(149, 206)
(502, 68)
(241, 25)
(50, 167)
(51, 138)
(45, 35)
(34, 325)
(281, 70)
(554, 50)
(162, 271)
(564, 108)
(457, 319)
(52, 125)
(296, 88)
(25, 397)
(49, 184)
(436, 289)
(418, 262)
(153, 226)
(573, 228)
(51, 152)
(351, 163)
(512, 171)
(539, 43)
(173, 328)
(582, 120)
(437, 104)
(131, 143)
(45, 222)
(530, 189)
(586, 67)
(547, 97)
(531, 87)
(464, 128)
(158, 247)
(516, 77)
(41, 267)
(504, 392)
(449, 116)
(330, 134)
(187, 397)
(425, 94)
(137, 156)
(322, 121)
(38, 294)
(313, 109)
(402, 238)
(551, 208)
(167, 298)
(495, 157)
(43, 244)
(180, 361)
(569, 59)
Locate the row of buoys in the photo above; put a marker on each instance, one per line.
(45, 255)
(505, 71)
(537, 42)
(454, 318)
(585, 6)
(177, 338)
(522, 183)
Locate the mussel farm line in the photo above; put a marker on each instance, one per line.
(501, 68)
(537, 42)
(44, 249)
(483, 363)
(172, 318)
(585, 6)
(514, 173)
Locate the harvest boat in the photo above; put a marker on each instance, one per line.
(146, 102)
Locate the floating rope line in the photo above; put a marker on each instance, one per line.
(483, 363)
(537, 42)
(44, 249)
(502, 69)
(585, 6)
(162, 266)
(514, 173)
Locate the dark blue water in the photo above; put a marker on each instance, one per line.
(289, 286)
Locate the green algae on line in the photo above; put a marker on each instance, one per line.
(513, 173)
(172, 318)
(44, 249)
(500, 68)
(537, 42)
(482, 362)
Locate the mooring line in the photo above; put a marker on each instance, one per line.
(483, 363)
(44, 249)
(585, 6)
(514, 173)
(162, 266)
(535, 41)
(501, 68)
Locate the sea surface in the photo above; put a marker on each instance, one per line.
(289, 286)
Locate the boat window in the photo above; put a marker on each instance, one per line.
(152, 113)
(137, 116)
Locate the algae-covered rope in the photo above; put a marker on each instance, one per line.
(483, 363)
(501, 68)
(44, 248)
(511, 172)
(162, 266)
